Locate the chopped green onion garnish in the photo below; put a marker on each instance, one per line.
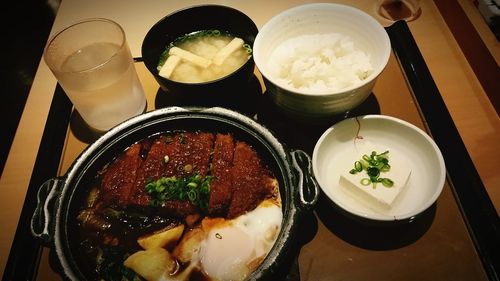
(195, 189)
(366, 181)
(387, 182)
(385, 168)
(373, 172)
(358, 166)
(373, 164)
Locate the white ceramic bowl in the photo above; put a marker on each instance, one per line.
(427, 166)
(319, 18)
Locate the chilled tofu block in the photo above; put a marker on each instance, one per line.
(376, 196)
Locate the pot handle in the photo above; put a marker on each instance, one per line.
(41, 222)
(308, 187)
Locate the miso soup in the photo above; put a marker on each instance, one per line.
(203, 56)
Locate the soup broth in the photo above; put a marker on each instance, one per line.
(206, 44)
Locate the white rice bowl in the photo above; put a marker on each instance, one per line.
(290, 51)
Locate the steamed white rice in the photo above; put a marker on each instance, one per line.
(319, 63)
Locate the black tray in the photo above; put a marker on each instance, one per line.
(477, 209)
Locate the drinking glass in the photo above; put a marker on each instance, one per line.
(93, 64)
(394, 10)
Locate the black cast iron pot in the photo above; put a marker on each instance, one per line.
(54, 220)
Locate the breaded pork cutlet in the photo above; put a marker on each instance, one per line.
(119, 177)
(221, 190)
(250, 181)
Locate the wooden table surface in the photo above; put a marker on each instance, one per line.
(469, 106)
